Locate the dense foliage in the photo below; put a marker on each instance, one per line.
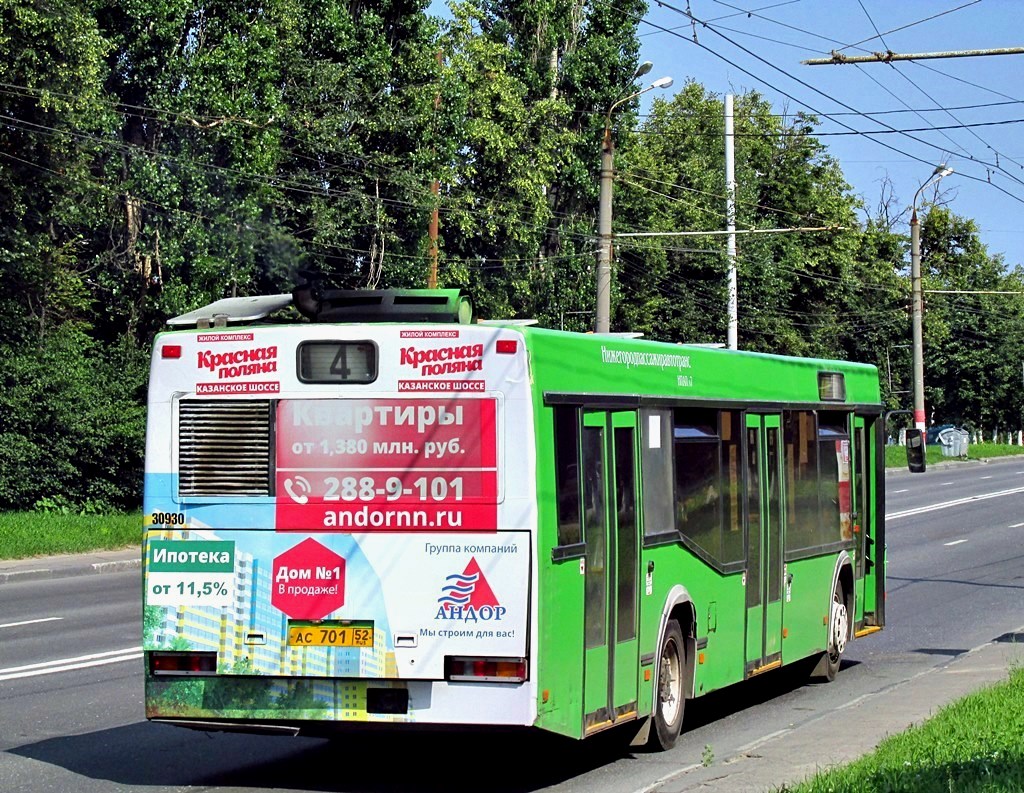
(159, 154)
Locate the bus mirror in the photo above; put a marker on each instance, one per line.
(915, 451)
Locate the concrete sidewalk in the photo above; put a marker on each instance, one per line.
(71, 565)
(845, 733)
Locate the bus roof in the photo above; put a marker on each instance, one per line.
(589, 360)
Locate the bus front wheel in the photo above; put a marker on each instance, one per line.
(838, 630)
(668, 711)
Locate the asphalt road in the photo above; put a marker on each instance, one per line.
(71, 713)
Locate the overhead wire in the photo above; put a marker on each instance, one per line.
(896, 96)
(993, 166)
(937, 104)
(909, 25)
(866, 133)
(408, 204)
(396, 175)
(636, 173)
(294, 186)
(161, 209)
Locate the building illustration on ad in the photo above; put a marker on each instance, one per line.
(284, 590)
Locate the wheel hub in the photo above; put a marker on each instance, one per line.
(839, 626)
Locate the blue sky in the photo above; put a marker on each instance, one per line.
(967, 111)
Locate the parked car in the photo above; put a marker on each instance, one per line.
(931, 435)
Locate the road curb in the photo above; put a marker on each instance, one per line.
(67, 571)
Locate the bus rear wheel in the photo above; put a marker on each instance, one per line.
(671, 699)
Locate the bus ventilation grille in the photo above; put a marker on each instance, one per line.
(224, 448)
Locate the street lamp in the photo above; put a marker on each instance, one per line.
(940, 171)
(604, 215)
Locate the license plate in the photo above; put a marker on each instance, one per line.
(330, 636)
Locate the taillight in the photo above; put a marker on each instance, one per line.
(493, 670)
(182, 663)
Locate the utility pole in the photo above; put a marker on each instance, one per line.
(730, 215)
(920, 420)
(602, 320)
(916, 329)
(435, 191)
(604, 231)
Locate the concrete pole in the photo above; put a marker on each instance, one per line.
(915, 290)
(730, 216)
(602, 323)
(435, 190)
(604, 231)
(920, 421)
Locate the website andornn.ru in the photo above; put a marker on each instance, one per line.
(368, 517)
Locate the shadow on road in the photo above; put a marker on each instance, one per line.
(167, 757)
(750, 693)
(161, 756)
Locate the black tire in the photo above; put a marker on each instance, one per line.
(838, 631)
(670, 697)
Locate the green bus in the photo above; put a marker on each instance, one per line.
(368, 511)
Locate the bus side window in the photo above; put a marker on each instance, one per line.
(834, 478)
(801, 454)
(698, 455)
(567, 474)
(656, 462)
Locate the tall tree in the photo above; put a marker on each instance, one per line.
(261, 140)
(51, 72)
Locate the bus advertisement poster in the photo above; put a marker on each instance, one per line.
(387, 465)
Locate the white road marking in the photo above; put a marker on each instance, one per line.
(932, 507)
(904, 490)
(985, 477)
(955, 542)
(1016, 525)
(30, 622)
(71, 664)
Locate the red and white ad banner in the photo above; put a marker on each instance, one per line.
(387, 465)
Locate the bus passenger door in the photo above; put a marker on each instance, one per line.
(764, 583)
(865, 581)
(610, 532)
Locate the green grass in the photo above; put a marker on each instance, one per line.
(27, 534)
(973, 745)
(896, 456)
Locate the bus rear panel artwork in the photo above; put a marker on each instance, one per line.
(387, 515)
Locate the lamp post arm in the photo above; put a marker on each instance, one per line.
(917, 195)
(617, 102)
(940, 173)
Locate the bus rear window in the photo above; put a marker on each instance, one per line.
(337, 362)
